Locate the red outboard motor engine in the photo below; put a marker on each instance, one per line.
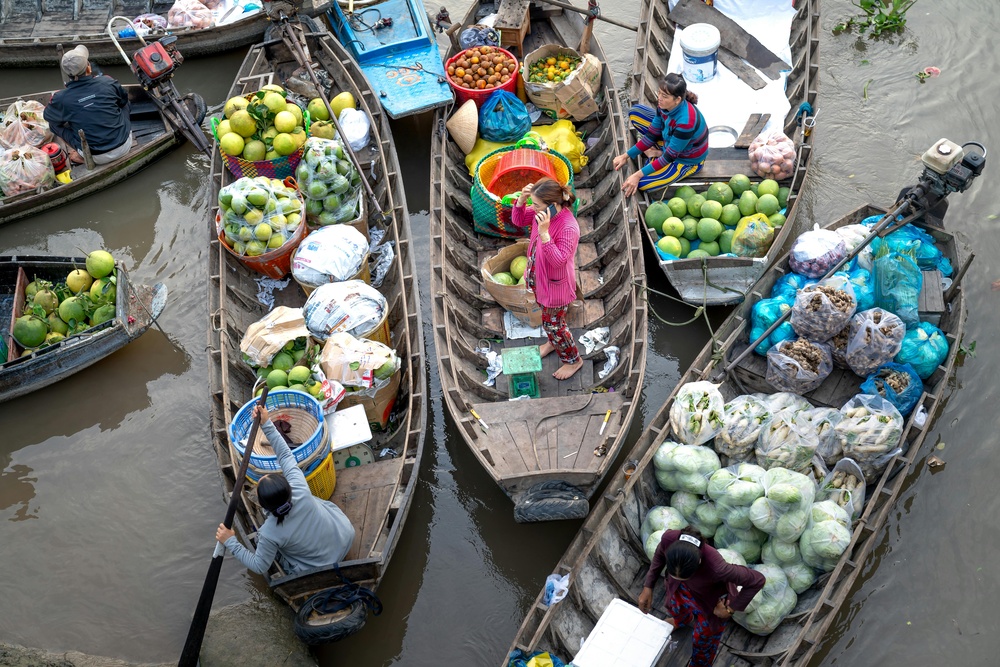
(157, 61)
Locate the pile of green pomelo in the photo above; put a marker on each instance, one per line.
(515, 276)
(53, 312)
(258, 214)
(691, 224)
(268, 126)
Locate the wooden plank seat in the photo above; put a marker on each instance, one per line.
(365, 493)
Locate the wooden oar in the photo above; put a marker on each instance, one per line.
(566, 5)
(196, 633)
(305, 61)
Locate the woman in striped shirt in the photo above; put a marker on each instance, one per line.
(674, 135)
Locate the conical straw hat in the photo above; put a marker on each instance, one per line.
(464, 126)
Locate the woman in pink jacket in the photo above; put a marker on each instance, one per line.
(551, 271)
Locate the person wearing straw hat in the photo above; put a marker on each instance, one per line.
(301, 530)
(94, 103)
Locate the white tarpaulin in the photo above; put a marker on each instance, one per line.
(726, 100)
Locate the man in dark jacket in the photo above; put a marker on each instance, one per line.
(96, 104)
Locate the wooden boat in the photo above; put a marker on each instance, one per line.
(30, 31)
(377, 496)
(153, 137)
(534, 445)
(400, 59)
(606, 558)
(724, 280)
(136, 306)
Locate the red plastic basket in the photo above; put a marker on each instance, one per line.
(518, 168)
(480, 96)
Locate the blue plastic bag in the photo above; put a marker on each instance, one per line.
(765, 313)
(924, 348)
(897, 284)
(789, 284)
(519, 658)
(503, 118)
(910, 237)
(904, 400)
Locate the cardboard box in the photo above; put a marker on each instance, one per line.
(265, 337)
(515, 298)
(353, 361)
(377, 407)
(576, 96)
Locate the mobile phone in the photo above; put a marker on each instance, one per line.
(551, 210)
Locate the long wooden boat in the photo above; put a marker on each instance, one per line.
(153, 137)
(377, 496)
(401, 59)
(30, 31)
(725, 280)
(538, 444)
(606, 558)
(136, 308)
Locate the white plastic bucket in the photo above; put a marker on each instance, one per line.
(700, 48)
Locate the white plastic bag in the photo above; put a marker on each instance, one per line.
(350, 306)
(356, 127)
(845, 485)
(23, 126)
(684, 467)
(876, 336)
(24, 169)
(798, 366)
(823, 309)
(329, 255)
(870, 433)
(744, 418)
(823, 422)
(815, 252)
(189, 14)
(696, 415)
(770, 606)
(788, 441)
(556, 588)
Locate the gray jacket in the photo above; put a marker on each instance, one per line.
(315, 533)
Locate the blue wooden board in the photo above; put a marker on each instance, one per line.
(402, 62)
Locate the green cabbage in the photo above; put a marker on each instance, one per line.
(662, 453)
(770, 606)
(666, 479)
(800, 576)
(827, 510)
(685, 503)
(732, 557)
(763, 515)
(736, 517)
(692, 482)
(810, 556)
(791, 525)
(787, 494)
(707, 513)
(828, 539)
(652, 542)
(778, 552)
(660, 518)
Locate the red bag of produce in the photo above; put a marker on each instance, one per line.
(24, 169)
(23, 125)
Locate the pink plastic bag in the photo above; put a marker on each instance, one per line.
(772, 155)
(23, 125)
(189, 14)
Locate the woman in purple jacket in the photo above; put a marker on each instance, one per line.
(700, 589)
(551, 271)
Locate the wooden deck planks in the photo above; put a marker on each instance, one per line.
(364, 494)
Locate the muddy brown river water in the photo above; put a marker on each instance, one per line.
(108, 488)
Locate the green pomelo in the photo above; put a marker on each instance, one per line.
(678, 207)
(47, 299)
(100, 263)
(673, 226)
(518, 265)
(256, 248)
(276, 241)
(31, 289)
(748, 203)
(690, 228)
(29, 331)
(284, 144)
(234, 104)
(685, 246)
(685, 192)
(284, 121)
(768, 186)
(730, 215)
(277, 378)
(767, 204)
(299, 375)
(709, 229)
(712, 248)
(711, 209)
(317, 190)
(262, 232)
(726, 241)
(78, 281)
(522, 281)
(720, 192)
(339, 184)
(282, 361)
(657, 212)
(298, 387)
(776, 220)
(56, 324)
(102, 289)
(694, 254)
(238, 204)
(54, 337)
(314, 207)
(257, 198)
(73, 310)
(670, 245)
(739, 184)
(243, 123)
(315, 389)
(254, 150)
(331, 203)
(503, 278)
(232, 143)
(296, 111)
(783, 196)
(274, 101)
(694, 205)
(102, 315)
(753, 188)
(317, 110)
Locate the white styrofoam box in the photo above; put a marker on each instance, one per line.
(349, 427)
(624, 637)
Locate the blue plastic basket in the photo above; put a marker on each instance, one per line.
(281, 403)
(307, 467)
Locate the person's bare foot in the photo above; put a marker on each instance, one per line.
(566, 371)
(546, 349)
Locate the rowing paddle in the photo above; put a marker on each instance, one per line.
(196, 633)
(304, 60)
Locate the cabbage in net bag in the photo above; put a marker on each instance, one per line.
(696, 414)
(798, 366)
(660, 518)
(747, 543)
(870, 433)
(771, 605)
(701, 514)
(780, 553)
(783, 510)
(684, 467)
(823, 309)
(875, 337)
(827, 536)
(743, 420)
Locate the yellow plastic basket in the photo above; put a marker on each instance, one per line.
(323, 480)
